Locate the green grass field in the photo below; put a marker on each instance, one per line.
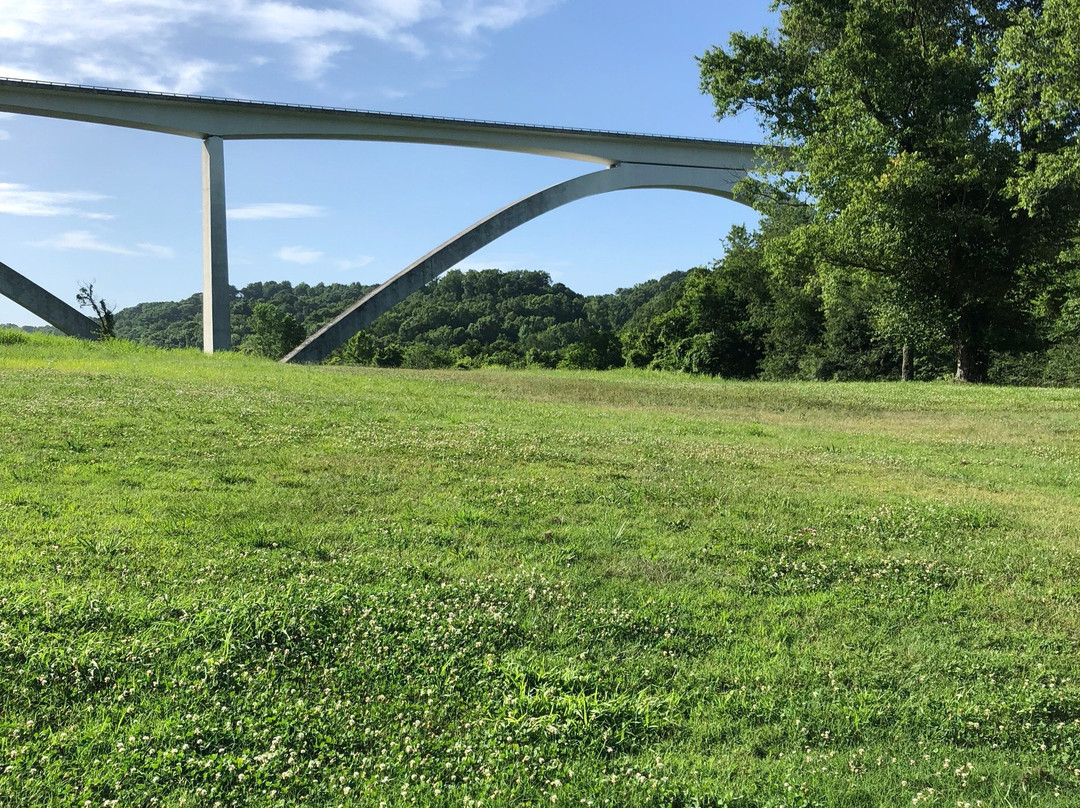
(228, 582)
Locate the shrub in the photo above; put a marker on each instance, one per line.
(9, 336)
(274, 332)
(1063, 364)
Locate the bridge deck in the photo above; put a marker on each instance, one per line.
(198, 117)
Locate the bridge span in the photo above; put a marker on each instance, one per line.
(631, 161)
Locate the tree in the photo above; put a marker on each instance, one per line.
(1037, 100)
(273, 332)
(889, 115)
(102, 310)
(359, 350)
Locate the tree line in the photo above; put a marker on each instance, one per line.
(920, 218)
(750, 315)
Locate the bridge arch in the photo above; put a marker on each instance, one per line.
(625, 176)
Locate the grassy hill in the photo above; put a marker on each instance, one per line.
(229, 582)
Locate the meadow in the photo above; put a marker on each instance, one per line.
(226, 582)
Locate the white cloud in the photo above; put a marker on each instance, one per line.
(87, 241)
(276, 210)
(178, 45)
(315, 58)
(22, 71)
(81, 240)
(157, 250)
(5, 135)
(299, 255)
(354, 263)
(471, 17)
(18, 200)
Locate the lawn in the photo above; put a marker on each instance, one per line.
(229, 582)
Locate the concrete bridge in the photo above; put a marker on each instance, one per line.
(631, 161)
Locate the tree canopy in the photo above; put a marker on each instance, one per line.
(932, 142)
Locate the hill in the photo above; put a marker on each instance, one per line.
(178, 324)
(470, 319)
(223, 580)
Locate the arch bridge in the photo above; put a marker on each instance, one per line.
(630, 160)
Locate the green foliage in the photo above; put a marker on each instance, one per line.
(886, 115)
(770, 308)
(465, 319)
(359, 350)
(513, 319)
(12, 336)
(273, 332)
(32, 329)
(1057, 366)
(764, 310)
(1036, 101)
(165, 324)
(1063, 364)
(179, 324)
(708, 328)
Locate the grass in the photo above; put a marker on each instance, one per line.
(227, 582)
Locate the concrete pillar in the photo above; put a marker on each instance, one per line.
(217, 328)
(46, 305)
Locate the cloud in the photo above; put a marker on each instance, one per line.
(5, 135)
(354, 263)
(183, 45)
(81, 240)
(87, 241)
(276, 210)
(18, 200)
(315, 58)
(299, 255)
(157, 250)
(471, 17)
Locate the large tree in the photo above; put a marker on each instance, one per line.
(895, 128)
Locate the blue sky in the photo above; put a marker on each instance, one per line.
(82, 202)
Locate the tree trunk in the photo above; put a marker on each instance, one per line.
(966, 370)
(907, 372)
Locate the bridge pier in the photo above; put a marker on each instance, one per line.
(46, 305)
(217, 326)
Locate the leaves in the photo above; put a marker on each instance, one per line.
(911, 127)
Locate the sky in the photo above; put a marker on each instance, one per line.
(84, 203)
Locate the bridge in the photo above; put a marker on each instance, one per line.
(630, 161)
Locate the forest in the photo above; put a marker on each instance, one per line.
(734, 318)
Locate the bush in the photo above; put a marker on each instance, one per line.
(422, 356)
(1063, 365)
(359, 350)
(274, 332)
(1025, 369)
(388, 356)
(10, 336)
